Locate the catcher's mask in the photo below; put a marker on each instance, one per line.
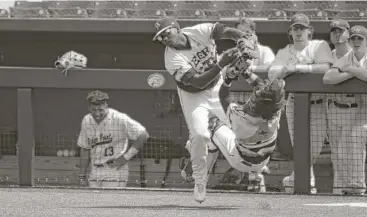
(268, 98)
(71, 60)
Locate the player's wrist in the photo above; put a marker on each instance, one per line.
(303, 68)
(130, 153)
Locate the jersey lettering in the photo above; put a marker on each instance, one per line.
(100, 140)
(203, 60)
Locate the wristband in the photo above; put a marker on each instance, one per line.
(131, 153)
(304, 68)
(252, 78)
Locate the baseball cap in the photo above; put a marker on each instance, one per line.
(163, 24)
(340, 24)
(358, 30)
(246, 22)
(300, 19)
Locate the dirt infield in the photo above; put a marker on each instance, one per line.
(86, 202)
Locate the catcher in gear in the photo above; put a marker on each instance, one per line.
(250, 140)
(71, 60)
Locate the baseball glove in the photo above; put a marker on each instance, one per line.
(248, 46)
(71, 60)
(234, 70)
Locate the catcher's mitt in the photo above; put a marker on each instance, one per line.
(239, 67)
(248, 46)
(71, 60)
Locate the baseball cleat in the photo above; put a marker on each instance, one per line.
(200, 192)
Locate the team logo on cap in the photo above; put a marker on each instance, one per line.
(156, 80)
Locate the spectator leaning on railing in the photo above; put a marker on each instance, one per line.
(350, 132)
(304, 55)
(105, 139)
(338, 117)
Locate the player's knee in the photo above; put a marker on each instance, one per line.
(200, 139)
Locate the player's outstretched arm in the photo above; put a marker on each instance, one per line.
(334, 76)
(222, 31)
(201, 80)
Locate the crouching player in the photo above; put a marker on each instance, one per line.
(249, 143)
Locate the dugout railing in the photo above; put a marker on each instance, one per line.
(28, 80)
(30, 43)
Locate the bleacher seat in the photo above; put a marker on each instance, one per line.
(151, 9)
(320, 5)
(69, 9)
(227, 10)
(346, 14)
(350, 5)
(25, 9)
(189, 10)
(4, 13)
(266, 9)
(313, 14)
(114, 9)
(278, 15)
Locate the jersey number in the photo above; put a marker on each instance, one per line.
(108, 151)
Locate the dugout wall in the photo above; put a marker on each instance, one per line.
(52, 105)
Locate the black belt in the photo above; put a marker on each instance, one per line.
(98, 165)
(318, 101)
(341, 105)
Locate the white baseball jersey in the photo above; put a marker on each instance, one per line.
(109, 137)
(342, 98)
(253, 133)
(350, 60)
(201, 57)
(266, 56)
(316, 52)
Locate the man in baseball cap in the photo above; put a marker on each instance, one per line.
(163, 26)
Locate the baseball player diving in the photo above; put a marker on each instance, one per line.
(304, 55)
(108, 140)
(191, 58)
(249, 141)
